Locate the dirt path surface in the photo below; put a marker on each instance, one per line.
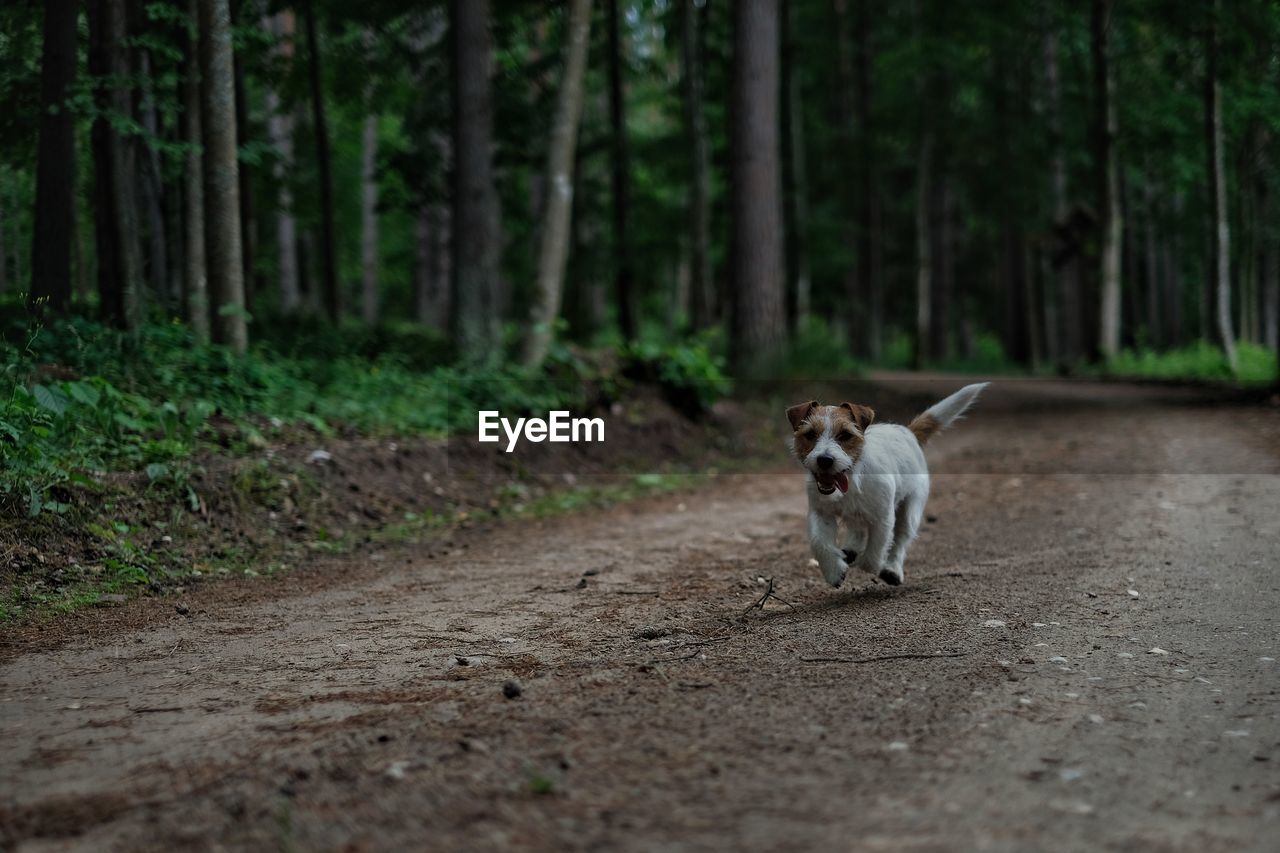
(1091, 614)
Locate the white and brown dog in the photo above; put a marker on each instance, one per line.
(873, 478)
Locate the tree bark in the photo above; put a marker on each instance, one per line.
(195, 281)
(795, 189)
(624, 283)
(330, 295)
(870, 239)
(369, 222)
(1220, 244)
(701, 285)
(755, 250)
(150, 186)
(115, 211)
(475, 203)
(924, 192)
(51, 248)
(221, 177)
(554, 250)
(248, 219)
(280, 124)
(4, 226)
(1063, 292)
(1107, 170)
(1151, 261)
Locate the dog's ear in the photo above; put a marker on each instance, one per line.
(863, 416)
(796, 414)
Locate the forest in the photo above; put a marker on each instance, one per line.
(328, 212)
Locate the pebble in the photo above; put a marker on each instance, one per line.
(1096, 719)
(897, 746)
(1057, 659)
(396, 770)
(1133, 593)
(993, 623)
(512, 689)
(1157, 651)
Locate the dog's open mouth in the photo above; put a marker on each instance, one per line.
(828, 483)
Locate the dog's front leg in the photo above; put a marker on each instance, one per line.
(822, 542)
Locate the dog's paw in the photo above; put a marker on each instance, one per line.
(835, 573)
(891, 577)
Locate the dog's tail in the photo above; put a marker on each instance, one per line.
(941, 415)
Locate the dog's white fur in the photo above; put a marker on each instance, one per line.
(888, 488)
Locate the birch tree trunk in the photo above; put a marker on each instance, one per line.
(195, 283)
(755, 208)
(1220, 242)
(221, 177)
(1107, 169)
(51, 248)
(554, 250)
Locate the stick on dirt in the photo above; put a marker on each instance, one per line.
(882, 657)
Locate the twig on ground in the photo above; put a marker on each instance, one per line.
(883, 657)
(768, 594)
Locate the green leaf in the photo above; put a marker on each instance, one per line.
(50, 399)
(83, 392)
(157, 471)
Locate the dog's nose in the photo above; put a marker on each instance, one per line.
(825, 462)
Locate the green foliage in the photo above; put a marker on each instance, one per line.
(1201, 360)
(77, 398)
(690, 375)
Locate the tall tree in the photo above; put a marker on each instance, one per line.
(280, 124)
(51, 249)
(330, 295)
(195, 281)
(221, 177)
(1062, 302)
(1106, 164)
(755, 242)
(795, 185)
(475, 201)
(624, 283)
(369, 221)
(924, 192)
(701, 285)
(1220, 240)
(870, 238)
(115, 208)
(561, 152)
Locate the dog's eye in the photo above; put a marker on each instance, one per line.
(845, 435)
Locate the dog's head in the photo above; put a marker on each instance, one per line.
(828, 440)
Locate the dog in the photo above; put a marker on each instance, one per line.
(873, 478)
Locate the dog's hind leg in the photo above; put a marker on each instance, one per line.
(906, 524)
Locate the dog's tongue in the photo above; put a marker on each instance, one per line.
(842, 482)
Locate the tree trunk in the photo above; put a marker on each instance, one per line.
(755, 208)
(195, 278)
(870, 238)
(330, 296)
(248, 221)
(369, 221)
(1151, 260)
(475, 203)
(221, 177)
(561, 153)
(795, 189)
(941, 216)
(431, 275)
(4, 225)
(1220, 254)
(280, 125)
(115, 211)
(150, 184)
(1063, 295)
(924, 250)
(702, 296)
(55, 162)
(1107, 169)
(624, 284)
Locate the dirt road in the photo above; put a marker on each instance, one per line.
(1093, 610)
